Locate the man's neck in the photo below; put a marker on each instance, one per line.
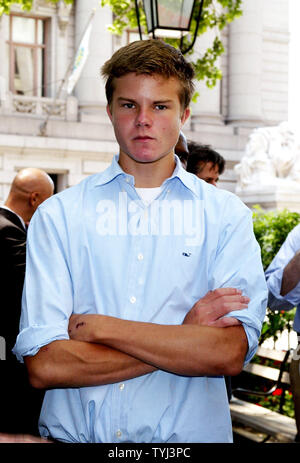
(148, 174)
(17, 210)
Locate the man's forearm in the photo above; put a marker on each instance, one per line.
(182, 349)
(105, 350)
(70, 363)
(291, 275)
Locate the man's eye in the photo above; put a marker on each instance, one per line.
(160, 107)
(128, 105)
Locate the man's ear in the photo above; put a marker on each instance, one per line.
(185, 115)
(108, 111)
(33, 197)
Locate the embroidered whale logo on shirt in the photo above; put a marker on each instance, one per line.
(186, 254)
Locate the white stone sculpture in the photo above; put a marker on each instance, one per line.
(272, 157)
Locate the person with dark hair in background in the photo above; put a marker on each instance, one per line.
(205, 162)
(19, 402)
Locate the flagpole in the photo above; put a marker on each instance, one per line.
(43, 126)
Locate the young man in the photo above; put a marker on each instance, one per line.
(136, 299)
(205, 162)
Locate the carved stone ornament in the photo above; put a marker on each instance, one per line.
(63, 14)
(272, 157)
(41, 4)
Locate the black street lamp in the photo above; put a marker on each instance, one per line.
(169, 18)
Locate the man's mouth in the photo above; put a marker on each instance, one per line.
(143, 138)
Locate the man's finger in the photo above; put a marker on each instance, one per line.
(219, 308)
(225, 322)
(220, 292)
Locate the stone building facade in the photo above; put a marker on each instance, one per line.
(36, 49)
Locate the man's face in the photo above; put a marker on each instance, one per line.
(209, 173)
(147, 116)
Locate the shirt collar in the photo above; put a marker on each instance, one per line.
(114, 170)
(19, 217)
(187, 179)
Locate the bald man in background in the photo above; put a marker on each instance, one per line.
(19, 403)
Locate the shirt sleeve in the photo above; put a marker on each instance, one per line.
(275, 271)
(238, 264)
(47, 298)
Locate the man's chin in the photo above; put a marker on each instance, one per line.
(148, 158)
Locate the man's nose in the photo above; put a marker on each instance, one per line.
(143, 118)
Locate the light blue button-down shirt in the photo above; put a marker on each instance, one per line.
(274, 273)
(96, 248)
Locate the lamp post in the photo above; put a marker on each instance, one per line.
(169, 18)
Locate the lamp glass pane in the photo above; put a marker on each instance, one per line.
(174, 13)
(148, 12)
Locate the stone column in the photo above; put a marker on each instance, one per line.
(60, 43)
(245, 65)
(90, 88)
(208, 105)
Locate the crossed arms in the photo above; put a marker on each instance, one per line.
(105, 350)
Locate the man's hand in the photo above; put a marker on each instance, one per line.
(209, 310)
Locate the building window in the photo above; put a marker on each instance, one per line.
(60, 181)
(28, 55)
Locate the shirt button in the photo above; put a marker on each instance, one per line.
(140, 256)
(132, 299)
(121, 386)
(118, 433)
(141, 281)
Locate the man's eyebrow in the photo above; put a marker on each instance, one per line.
(122, 98)
(162, 101)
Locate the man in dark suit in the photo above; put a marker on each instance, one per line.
(19, 403)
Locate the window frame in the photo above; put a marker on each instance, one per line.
(35, 47)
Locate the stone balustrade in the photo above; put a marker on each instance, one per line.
(60, 109)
